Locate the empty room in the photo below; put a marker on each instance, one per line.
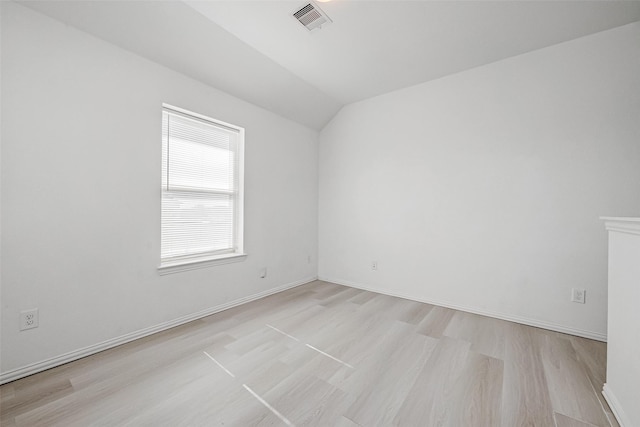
(320, 213)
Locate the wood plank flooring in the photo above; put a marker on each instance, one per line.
(326, 355)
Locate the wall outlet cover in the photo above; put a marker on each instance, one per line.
(28, 319)
(578, 295)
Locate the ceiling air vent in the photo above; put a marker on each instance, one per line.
(311, 16)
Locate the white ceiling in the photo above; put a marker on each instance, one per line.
(257, 51)
(373, 47)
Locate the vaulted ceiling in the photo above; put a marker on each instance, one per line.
(257, 51)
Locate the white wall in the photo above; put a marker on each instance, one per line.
(482, 190)
(81, 201)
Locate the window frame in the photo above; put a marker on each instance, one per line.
(203, 260)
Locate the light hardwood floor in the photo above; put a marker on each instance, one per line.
(326, 355)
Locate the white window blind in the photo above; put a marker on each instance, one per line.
(201, 187)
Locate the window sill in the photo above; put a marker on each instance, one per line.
(192, 264)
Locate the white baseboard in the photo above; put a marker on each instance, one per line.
(517, 319)
(34, 368)
(614, 404)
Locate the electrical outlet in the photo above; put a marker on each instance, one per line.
(28, 319)
(374, 265)
(308, 259)
(578, 295)
(263, 273)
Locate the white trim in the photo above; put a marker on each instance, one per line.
(511, 318)
(191, 115)
(615, 406)
(192, 264)
(170, 265)
(34, 368)
(622, 225)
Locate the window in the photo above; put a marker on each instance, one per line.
(201, 214)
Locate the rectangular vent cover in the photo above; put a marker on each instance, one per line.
(311, 16)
